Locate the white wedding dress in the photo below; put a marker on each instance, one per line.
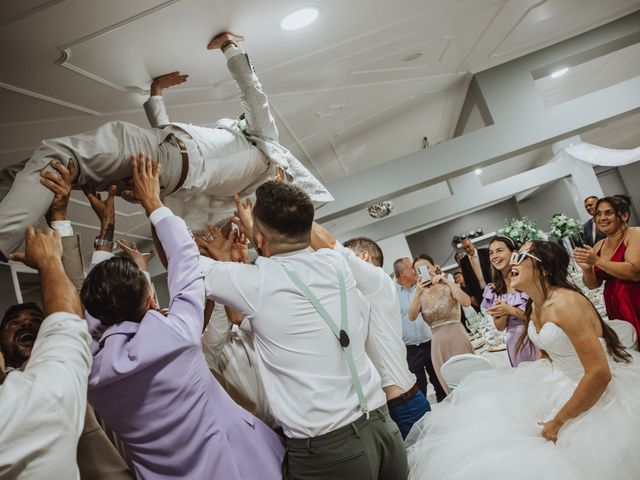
(488, 428)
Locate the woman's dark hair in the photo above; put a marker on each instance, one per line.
(423, 256)
(499, 284)
(115, 291)
(554, 267)
(621, 205)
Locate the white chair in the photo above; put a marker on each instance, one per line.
(457, 368)
(626, 333)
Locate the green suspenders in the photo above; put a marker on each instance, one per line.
(342, 333)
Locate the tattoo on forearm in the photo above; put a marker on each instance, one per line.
(108, 232)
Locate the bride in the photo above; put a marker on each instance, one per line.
(575, 414)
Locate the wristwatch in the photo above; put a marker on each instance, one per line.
(102, 242)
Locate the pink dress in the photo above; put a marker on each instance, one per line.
(442, 312)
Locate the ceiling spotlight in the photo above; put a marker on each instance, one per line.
(477, 171)
(413, 56)
(559, 73)
(299, 18)
(380, 210)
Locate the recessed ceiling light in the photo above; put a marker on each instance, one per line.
(477, 171)
(559, 73)
(299, 18)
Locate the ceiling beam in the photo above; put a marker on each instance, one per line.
(468, 195)
(522, 123)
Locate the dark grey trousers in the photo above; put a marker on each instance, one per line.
(367, 449)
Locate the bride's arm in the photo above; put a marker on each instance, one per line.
(567, 312)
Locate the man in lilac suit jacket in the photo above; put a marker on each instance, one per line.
(150, 382)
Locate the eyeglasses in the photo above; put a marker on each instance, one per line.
(518, 257)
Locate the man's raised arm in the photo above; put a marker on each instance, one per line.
(154, 107)
(185, 279)
(254, 101)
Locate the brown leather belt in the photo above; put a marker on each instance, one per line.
(404, 398)
(185, 163)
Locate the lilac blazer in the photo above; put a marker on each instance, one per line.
(150, 383)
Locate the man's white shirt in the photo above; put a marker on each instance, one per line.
(230, 353)
(384, 343)
(43, 407)
(301, 363)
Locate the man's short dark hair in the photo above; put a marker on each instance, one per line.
(364, 244)
(115, 291)
(284, 209)
(19, 308)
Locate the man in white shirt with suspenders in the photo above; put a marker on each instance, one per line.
(309, 328)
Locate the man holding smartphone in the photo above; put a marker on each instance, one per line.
(416, 335)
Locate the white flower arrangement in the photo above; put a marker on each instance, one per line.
(521, 230)
(564, 227)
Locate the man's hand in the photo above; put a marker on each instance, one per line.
(167, 80)
(60, 183)
(219, 39)
(104, 209)
(140, 259)
(243, 218)
(239, 248)
(146, 182)
(212, 243)
(43, 247)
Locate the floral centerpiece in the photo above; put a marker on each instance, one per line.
(521, 230)
(564, 227)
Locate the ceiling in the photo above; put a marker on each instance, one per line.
(343, 93)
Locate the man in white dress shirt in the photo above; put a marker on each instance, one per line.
(309, 329)
(43, 407)
(407, 404)
(231, 156)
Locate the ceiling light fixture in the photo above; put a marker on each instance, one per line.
(299, 18)
(477, 171)
(380, 210)
(560, 72)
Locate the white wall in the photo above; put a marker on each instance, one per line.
(394, 248)
(555, 198)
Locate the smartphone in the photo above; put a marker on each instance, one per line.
(423, 273)
(577, 241)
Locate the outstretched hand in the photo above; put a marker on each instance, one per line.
(60, 183)
(140, 259)
(243, 219)
(218, 40)
(212, 243)
(167, 80)
(145, 183)
(104, 209)
(41, 247)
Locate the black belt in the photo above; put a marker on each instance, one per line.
(404, 398)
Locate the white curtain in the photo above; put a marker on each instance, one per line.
(608, 157)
